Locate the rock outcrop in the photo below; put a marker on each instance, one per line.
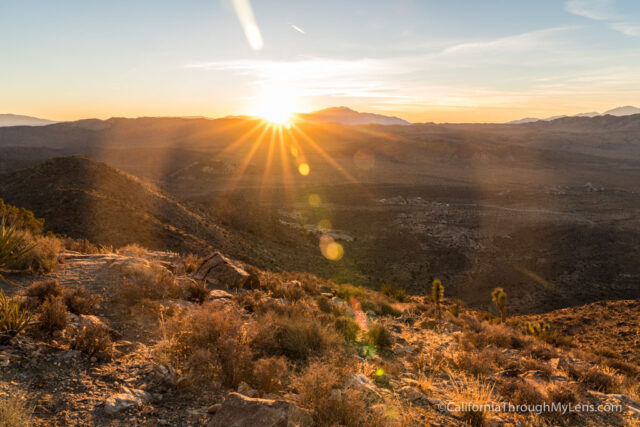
(219, 270)
(238, 410)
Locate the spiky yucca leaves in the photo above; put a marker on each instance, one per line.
(499, 297)
(13, 248)
(437, 293)
(13, 318)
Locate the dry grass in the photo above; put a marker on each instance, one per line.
(473, 392)
(15, 411)
(348, 328)
(212, 341)
(81, 245)
(196, 292)
(44, 256)
(146, 280)
(190, 263)
(39, 291)
(80, 301)
(270, 374)
(133, 249)
(91, 339)
(296, 337)
(53, 314)
(319, 387)
(520, 392)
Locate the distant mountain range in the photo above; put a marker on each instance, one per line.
(347, 116)
(18, 120)
(619, 111)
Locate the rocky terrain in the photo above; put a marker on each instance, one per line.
(361, 357)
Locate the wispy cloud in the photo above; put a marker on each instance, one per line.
(602, 10)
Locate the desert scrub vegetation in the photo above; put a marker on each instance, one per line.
(499, 297)
(379, 336)
(546, 333)
(15, 410)
(397, 294)
(14, 318)
(14, 248)
(83, 246)
(133, 249)
(92, 339)
(190, 263)
(368, 300)
(77, 299)
(146, 280)
(437, 293)
(53, 314)
(320, 388)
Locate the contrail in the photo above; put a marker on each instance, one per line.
(251, 30)
(298, 29)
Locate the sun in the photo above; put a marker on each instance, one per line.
(276, 105)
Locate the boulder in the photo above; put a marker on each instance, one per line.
(125, 400)
(219, 270)
(241, 411)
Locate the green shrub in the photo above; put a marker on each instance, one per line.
(14, 247)
(546, 333)
(379, 336)
(499, 297)
(20, 218)
(392, 292)
(13, 318)
(348, 328)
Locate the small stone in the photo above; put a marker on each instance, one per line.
(214, 408)
(245, 389)
(93, 359)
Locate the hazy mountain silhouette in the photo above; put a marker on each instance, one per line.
(347, 116)
(619, 111)
(18, 120)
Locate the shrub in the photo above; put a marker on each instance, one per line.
(147, 280)
(437, 293)
(212, 341)
(190, 263)
(499, 335)
(499, 297)
(133, 249)
(319, 388)
(196, 292)
(14, 247)
(41, 290)
(43, 258)
(520, 392)
(80, 245)
(269, 374)
(472, 392)
(79, 300)
(324, 304)
(596, 379)
(379, 336)
(15, 410)
(53, 314)
(544, 332)
(381, 308)
(348, 328)
(21, 218)
(13, 318)
(297, 338)
(392, 292)
(563, 393)
(455, 309)
(93, 338)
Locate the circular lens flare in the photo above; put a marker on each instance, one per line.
(331, 249)
(304, 169)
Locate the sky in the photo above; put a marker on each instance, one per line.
(441, 61)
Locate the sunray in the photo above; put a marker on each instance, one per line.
(286, 173)
(267, 166)
(235, 144)
(245, 162)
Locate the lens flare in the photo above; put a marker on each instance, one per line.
(314, 200)
(331, 249)
(304, 169)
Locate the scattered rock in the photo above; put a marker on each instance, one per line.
(403, 350)
(220, 270)
(241, 411)
(559, 364)
(214, 408)
(127, 399)
(219, 294)
(245, 389)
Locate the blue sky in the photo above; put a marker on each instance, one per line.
(439, 61)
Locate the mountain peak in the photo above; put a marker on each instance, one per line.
(19, 120)
(347, 116)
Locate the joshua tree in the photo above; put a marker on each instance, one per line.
(437, 293)
(499, 296)
(13, 248)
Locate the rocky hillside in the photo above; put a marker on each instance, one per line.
(83, 198)
(130, 338)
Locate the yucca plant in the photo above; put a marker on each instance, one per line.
(13, 318)
(437, 293)
(499, 297)
(13, 248)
